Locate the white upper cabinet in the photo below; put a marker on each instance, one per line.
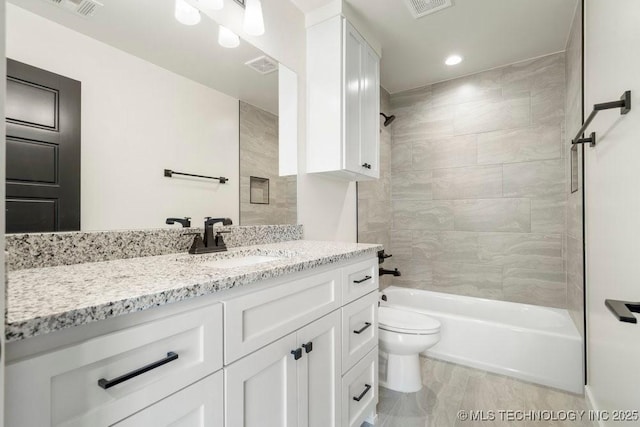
(344, 102)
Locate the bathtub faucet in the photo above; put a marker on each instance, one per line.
(382, 272)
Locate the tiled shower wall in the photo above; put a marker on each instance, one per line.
(478, 188)
(259, 158)
(573, 120)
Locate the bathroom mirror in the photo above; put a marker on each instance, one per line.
(146, 102)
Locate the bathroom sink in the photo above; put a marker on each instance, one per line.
(240, 261)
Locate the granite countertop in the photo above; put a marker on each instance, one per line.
(43, 300)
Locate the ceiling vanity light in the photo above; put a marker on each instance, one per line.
(253, 20)
(453, 60)
(186, 14)
(227, 38)
(212, 4)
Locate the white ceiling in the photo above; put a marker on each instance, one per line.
(487, 33)
(147, 29)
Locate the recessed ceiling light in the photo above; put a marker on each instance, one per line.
(453, 60)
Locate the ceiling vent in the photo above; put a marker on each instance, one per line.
(420, 8)
(263, 64)
(79, 7)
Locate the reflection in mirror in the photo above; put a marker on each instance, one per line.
(265, 197)
(100, 106)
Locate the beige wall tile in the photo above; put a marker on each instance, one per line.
(471, 182)
(492, 215)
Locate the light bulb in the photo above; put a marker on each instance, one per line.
(186, 14)
(227, 38)
(253, 21)
(453, 60)
(212, 4)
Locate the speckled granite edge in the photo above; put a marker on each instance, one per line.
(301, 256)
(38, 250)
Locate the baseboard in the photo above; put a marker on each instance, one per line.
(591, 403)
(372, 419)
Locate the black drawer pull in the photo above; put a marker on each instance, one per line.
(297, 353)
(362, 280)
(308, 347)
(364, 328)
(105, 384)
(367, 387)
(366, 165)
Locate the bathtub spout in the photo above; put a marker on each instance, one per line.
(395, 272)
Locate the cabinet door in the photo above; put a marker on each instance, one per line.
(199, 405)
(319, 373)
(261, 387)
(370, 114)
(353, 55)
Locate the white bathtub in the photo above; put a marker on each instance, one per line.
(532, 343)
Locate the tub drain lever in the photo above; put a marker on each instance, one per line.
(623, 310)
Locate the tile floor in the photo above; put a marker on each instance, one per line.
(450, 388)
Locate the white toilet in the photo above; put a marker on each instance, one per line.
(403, 335)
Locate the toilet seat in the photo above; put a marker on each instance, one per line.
(407, 322)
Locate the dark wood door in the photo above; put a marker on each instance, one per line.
(43, 150)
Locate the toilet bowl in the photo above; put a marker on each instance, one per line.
(403, 335)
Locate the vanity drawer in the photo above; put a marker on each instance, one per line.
(199, 405)
(360, 390)
(359, 329)
(359, 279)
(75, 386)
(261, 317)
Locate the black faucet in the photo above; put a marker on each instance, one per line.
(186, 221)
(210, 243)
(382, 272)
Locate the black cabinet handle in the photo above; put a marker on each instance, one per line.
(366, 165)
(367, 387)
(308, 347)
(362, 280)
(364, 328)
(623, 310)
(105, 384)
(297, 353)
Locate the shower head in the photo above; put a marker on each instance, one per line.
(388, 119)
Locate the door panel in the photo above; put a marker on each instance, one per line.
(31, 104)
(261, 388)
(369, 146)
(353, 54)
(43, 150)
(32, 161)
(319, 373)
(612, 204)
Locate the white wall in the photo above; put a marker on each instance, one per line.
(612, 178)
(137, 119)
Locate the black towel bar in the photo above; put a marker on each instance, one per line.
(623, 310)
(169, 173)
(624, 104)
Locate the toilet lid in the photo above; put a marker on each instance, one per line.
(403, 320)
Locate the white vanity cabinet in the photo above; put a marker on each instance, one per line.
(298, 352)
(344, 102)
(320, 328)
